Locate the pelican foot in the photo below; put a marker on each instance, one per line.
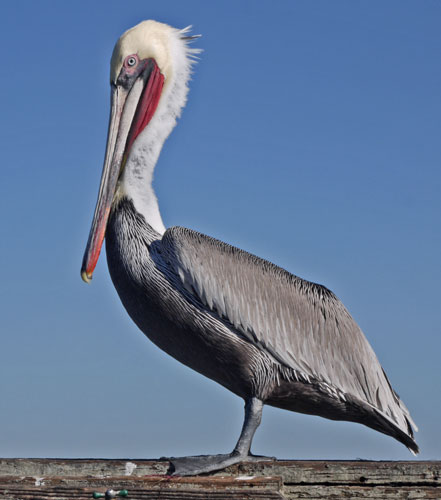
(192, 466)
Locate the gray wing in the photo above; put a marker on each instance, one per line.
(302, 325)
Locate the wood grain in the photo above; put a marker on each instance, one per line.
(41, 479)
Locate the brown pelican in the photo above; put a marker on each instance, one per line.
(261, 332)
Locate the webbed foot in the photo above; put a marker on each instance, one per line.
(192, 466)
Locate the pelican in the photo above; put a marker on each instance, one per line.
(266, 335)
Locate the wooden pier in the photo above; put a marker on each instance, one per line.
(41, 479)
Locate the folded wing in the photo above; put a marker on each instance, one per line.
(302, 325)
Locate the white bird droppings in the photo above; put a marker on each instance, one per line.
(244, 478)
(39, 481)
(130, 467)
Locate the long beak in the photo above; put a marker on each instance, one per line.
(123, 108)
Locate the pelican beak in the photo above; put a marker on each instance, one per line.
(132, 106)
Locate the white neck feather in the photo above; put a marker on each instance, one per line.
(137, 177)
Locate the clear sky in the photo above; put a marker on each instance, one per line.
(311, 138)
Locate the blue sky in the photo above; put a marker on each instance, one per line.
(311, 138)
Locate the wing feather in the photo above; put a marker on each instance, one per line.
(302, 325)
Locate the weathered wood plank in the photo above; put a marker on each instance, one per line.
(173, 494)
(41, 479)
(345, 492)
(348, 472)
(43, 467)
(64, 488)
(295, 471)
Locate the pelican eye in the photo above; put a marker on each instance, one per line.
(131, 61)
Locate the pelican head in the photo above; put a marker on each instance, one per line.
(149, 71)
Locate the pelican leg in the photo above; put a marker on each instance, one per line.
(253, 417)
(191, 466)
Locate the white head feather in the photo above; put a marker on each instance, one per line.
(169, 48)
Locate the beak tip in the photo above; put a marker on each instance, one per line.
(86, 277)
